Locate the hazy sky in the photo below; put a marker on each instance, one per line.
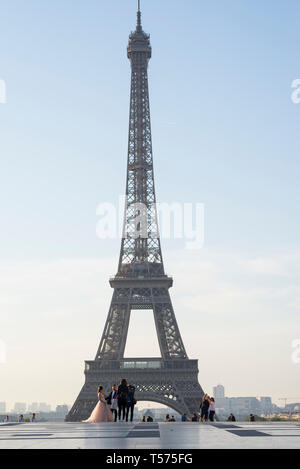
(225, 133)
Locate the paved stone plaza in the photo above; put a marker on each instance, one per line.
(152, 435)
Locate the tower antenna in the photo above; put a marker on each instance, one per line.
(139, 16)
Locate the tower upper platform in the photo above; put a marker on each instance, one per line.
(139, 43)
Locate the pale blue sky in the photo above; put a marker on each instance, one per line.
(225, 133)
(224, 127)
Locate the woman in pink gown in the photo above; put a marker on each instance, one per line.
(101, 412)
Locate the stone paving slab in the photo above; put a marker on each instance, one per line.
(152, 436)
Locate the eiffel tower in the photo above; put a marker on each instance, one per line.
(141, 282)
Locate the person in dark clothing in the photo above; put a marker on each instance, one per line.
(149, 419)
(204, 408)
(122, 398)
(130, 402)
(112, 401)
(252, 418)
(212, 409)
(194, 418)
(231, 418)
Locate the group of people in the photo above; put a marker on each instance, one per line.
(21, 419)
(207, 409)
(232, 418)
(149, 419)
(170, 419)
(117, 405)
(185, 418)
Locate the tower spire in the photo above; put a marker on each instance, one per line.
(139, 17)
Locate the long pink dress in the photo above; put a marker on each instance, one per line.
(101, 412)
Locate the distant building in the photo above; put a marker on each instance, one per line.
(293, 408)
(20, 407)
(241, 407)
(43, 407)
(2, 407)
(62, 410)
(34, 407)
(244, 406)
(219, 391)
(266, 405)
(222, 402)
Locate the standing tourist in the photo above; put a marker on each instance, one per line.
(33, 418)
(212, 409)
(112, 400)
(204, 408)
(130, 402)
(122, 398)
(184, 418)
(21, 419)
(101, 412)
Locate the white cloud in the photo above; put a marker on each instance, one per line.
(263, 266)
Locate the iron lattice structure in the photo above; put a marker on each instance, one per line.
(141, 282)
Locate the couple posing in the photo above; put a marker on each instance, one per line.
(120, 400)
(208, 409)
